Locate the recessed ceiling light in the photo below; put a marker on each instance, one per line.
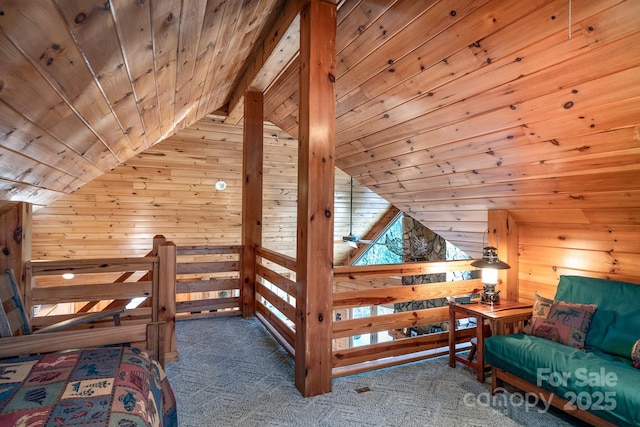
(68, 276)
(221, 185)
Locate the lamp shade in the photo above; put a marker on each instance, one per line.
(489, 276)
(490, 260)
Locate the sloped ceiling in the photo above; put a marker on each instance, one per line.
(88, 84)
(444, 108)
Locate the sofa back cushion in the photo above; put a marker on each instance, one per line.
(615, 326)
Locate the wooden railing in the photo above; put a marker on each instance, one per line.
(92, 283)
(208, 281)
(366, 286)
(98, 284)
(376, 286)
(208, 284)
(276, 294)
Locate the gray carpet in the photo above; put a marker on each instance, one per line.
(232, 373)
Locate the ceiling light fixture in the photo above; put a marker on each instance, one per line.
(221, 185)
(68, 276)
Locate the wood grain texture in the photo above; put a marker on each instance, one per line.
(445, 109)
(316, 168)
(252, 185)
(169, 190)
(465, 117)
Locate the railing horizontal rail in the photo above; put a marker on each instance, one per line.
(379, 287)
(286, 335)
(208, 283)
(393, 348)
(207, 304)
(188, 286)
(275, 293)
(56, 341)
(50, 268)
(77, 293)
(396, 294)
(287, 285)
(208, 250)
(366, 358)
(406, 269)
(385, 322)
(207, 267)
(283, 306)
(286, 261)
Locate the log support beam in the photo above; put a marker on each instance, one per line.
(252, 165)
(15, 241)
(316, 163)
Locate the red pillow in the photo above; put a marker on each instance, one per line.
(566, 323)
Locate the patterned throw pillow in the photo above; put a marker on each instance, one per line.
(635, 355)
(566, 323)
(541, 309)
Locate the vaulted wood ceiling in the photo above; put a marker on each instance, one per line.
(444, 108)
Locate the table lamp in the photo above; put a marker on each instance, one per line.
(490, 264)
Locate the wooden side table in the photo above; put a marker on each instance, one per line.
(506, 317)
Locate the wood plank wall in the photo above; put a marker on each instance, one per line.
(605, 247)
(169, 190)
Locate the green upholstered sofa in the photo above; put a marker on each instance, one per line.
(600, 384)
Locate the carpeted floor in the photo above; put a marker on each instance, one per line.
(232, 373)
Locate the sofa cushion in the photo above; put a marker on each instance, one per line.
(541, 308)
(606, 383)
(566, 323)
(615, 324)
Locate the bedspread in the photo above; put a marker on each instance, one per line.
(112, 386)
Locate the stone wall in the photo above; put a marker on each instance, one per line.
(421, 244)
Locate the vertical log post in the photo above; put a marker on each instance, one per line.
(252, 154)
(503, 234)
(15, 245)
(165, 299)
(316, 163)
(158, 239)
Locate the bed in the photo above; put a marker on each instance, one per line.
(92, 374)
(108, 386)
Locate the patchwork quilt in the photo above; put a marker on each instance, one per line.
(112, 386)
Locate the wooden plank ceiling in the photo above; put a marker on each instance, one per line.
(444, 108)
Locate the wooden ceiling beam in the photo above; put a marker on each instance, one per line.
(264, 67)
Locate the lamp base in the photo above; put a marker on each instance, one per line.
(491, 299)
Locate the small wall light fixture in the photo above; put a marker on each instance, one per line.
(490, 264)
(221, 185)
(68, 276)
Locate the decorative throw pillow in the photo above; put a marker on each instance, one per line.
(566, 323)
(635, 355)
(541, 308)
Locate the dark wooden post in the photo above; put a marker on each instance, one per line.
(316, 163)
(251, 198)
(503, 234)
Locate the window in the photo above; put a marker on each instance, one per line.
(387, 248)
